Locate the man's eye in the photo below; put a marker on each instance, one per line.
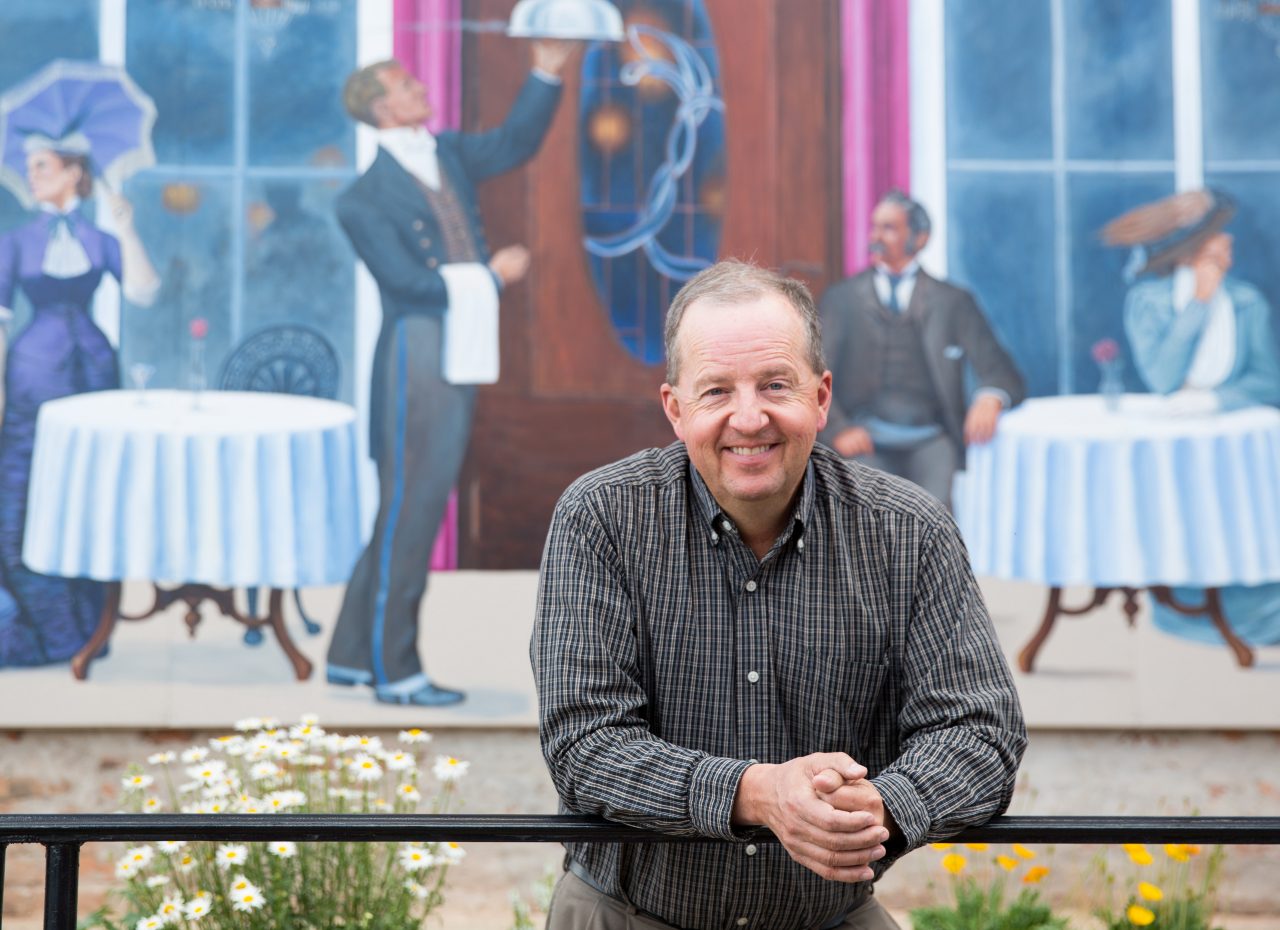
(776, 386)
(714, 392)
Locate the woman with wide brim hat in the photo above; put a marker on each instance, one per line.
(1204, 339)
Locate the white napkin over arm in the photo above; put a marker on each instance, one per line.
(470, 324)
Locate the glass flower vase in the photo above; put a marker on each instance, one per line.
(1111, 383)
(196, 379)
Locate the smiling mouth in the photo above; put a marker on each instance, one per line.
(749, 450)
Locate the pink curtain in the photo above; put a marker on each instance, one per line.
(877, 114)
(429, 45)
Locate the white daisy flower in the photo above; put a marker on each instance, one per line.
(366, 744)
(408, 793)
(264, 770)
(194, 755)
(451, 852)
(223, 743)
(381, 804)
(208, 772)
(155, 881)
(138, 782)
(161, 758)
(170, 846)
(170, 909)
(154, 922)
(399, 761)
(189, 787)
(311, 761)
(283, 848)
(309, 720)
(126, 869)
(414, 858)
(197, 907)
(249, 724)
(415, 736)
(140, 856)
(417, 889)
(307, 732)
(240, 883)
(186, 862)
(230, 854)
(365, 768)
(447, 768)
(248, 900)
(152, 805)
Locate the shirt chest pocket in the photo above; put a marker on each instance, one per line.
(829, 700)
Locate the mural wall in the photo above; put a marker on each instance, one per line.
(302, 437)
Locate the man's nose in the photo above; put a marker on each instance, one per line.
(748, 414)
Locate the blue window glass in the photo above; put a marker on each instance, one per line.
(998, 79)
(1097, 280)
(1119, 79)
(36, 31)
(298, 66)
(299, 268)
(185, 225)
(1241, 69)
(1255, 228)
(183, 55)
(630, 140)
(1001, 233)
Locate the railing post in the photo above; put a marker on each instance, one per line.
(61, 885)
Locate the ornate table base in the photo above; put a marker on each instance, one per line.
(192, 595)
(1211, 608)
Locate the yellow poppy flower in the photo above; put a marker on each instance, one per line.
(941, 845)
(1139, 915)
(1177, 852)
(1008, 863)
(1034, 874)
(1149, 892)
(954, 863)
(1138, 853)
(1022, 852)
(978, 847)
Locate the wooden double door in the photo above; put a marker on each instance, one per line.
(571, 397)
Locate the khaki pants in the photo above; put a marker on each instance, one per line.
(577, 906)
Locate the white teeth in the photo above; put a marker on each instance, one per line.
(747, 450)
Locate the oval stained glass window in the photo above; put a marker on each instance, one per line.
(653, 164)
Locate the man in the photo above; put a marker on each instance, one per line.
(414, 221)
(900, 344)
(745, 629)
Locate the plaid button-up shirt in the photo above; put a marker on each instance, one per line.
(667, 658)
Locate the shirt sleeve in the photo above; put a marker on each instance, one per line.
(960, 722)
(593, 712)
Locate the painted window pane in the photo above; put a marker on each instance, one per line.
(37, 31)
(185, 225)
(1097, 280)
(1241, 68)
(1119, 79)
(1001, 230)
(297, 66)
(1256, 229)
(182, 54)
(298, 267)
(998, 79)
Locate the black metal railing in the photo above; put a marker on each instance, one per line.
(62, 835)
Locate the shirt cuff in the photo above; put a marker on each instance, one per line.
(547, 77)
(712, 788)
(902, 801)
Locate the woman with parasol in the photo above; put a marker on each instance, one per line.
(57, 259)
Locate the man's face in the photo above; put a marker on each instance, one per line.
(891, 241)
(1217, 250)
(405, 102)
(748, 406)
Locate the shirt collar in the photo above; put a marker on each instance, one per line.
(72, 204)
(717, 520)
(908, 273)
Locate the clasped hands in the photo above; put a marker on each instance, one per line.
(822, 809)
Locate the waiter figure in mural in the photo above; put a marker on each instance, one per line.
(414, 221)
(1204, 339)
(899, 343)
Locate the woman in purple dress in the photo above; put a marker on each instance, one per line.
(57, 260)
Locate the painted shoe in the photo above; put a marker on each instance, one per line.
(347, 677)
(428, 695)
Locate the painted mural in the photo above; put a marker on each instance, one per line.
(287, 377)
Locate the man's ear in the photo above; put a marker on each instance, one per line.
(919, 242)
(824, 399)
(671, 407)
(378, 110)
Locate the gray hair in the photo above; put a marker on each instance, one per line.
(917, 216)
(363, 89)
(731, 282)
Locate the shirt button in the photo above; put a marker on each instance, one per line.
(751, 585)
(753, 676)
(418, 224)
(751, 849)
(431, 263)
(424, 242)
(742, 921)
(799, 543)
